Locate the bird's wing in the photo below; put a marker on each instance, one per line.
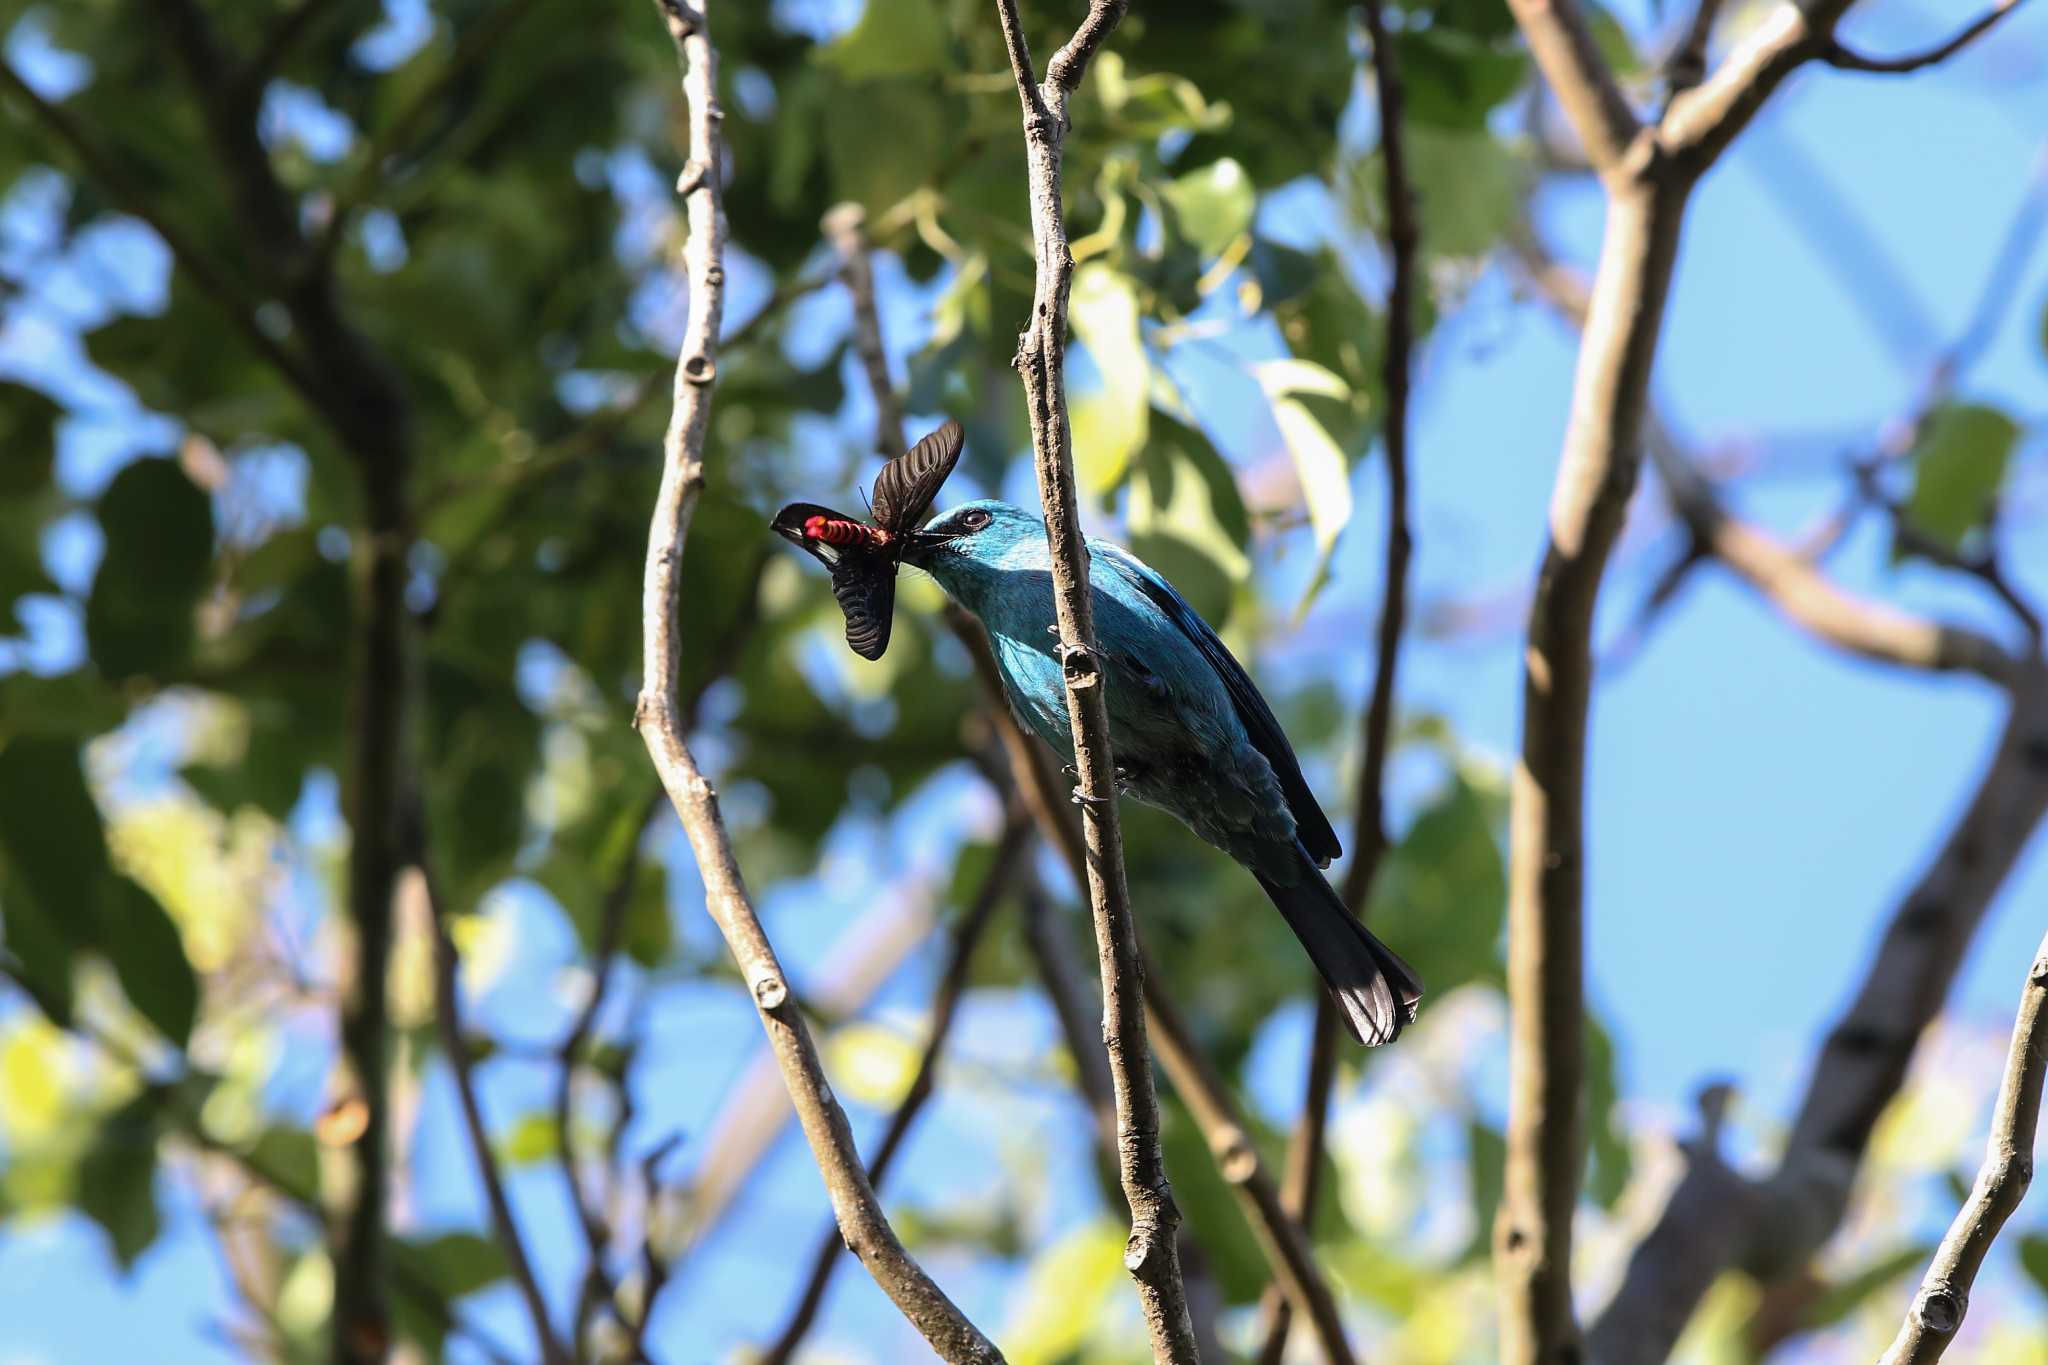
(1312, 827)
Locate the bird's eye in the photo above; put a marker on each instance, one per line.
(975, 520)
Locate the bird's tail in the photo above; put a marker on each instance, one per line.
(1376, 992)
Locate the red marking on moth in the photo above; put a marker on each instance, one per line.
(838, 531)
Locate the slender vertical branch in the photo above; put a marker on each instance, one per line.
(965, 938)
(659, 719)
(1151, 1254)
(1944, 1297)
(845, 227)
(448, 1023)
(1369, 828)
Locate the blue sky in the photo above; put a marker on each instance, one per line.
(1756, 803)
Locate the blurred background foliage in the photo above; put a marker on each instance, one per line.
(488, 182)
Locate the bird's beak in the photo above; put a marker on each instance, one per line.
(916, 542)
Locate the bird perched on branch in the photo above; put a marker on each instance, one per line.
(1192, 734)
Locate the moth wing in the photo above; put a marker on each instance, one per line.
(864, 581)
(789, 524)
(907, 484)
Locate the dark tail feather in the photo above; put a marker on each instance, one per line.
(1376, 992)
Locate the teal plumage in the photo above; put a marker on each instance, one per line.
(1191, 732)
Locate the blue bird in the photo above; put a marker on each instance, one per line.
(1192, 734)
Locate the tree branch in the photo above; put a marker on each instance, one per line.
(1844, 59)
(1579, 76)
(1228, 1137)
(1944, 1297)
(658, 717)
(448, 1022)
(1151, 1254)
(845, 228)
(1686, 67)
(1702, 121)
(1369, 831)
(966, 937)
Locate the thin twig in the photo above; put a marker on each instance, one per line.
(1151, 1255)
(1844, 59)
(845, 228)
(1369, 828)
(1208, 1098)
(1944, 1297)
(966, 937)
(1687, 64)
(659, 719)
(448, 1021)
(1563, 45)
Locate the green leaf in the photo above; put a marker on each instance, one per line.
(1110, 422)
(455, 1263)
(893, 38)
(51, 837)
(159, 533)
(1845, 1296)
(76, 704)
(2033, 1250)
(33, 950)
(138, 937)
(531, 1139)
(117, 1179)
(1442, 892)
(291, 1157)
(28, 439)
(1322, 468)
(1468, 188)
(1212, 206)
(1453, 79)
(1611, 1161)
(1486, 1163)
(1958, 468)
(1187, 519)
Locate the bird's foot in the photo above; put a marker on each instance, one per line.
(1082, 798)
(1123, 776)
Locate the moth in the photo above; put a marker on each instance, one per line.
(863, 555)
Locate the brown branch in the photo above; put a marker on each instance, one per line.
(1944, 1297)
(1844, 59)
(1702, 121)
(1687, 64)
(448, 1022)
(659, 719)
(1151, 1255)
(966, 937)
(283, 39)
(1579, 76)
(1369, 828)
(1281, 1238)
(845, 228)
(1715, 1218)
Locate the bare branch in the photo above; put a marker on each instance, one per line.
(1702, 121)
(1368, 832)
(1844, 59)
(845, 228)
(1151, 1254)
(448, 1022)
(966, 937)
(1687, 64)
(659, 719)
(1944, 1297)
(1580, 77)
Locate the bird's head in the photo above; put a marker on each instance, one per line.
(980, 532)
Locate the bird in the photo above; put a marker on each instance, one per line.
(1191, 733)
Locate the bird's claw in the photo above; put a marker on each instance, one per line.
(1082, 798)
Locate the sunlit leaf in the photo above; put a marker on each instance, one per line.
(1958, 468)
(1211, 206)
(1845, 1296)
(871, 1063)
(1066, 1288)
(1320, 465)
(531, 1138)
(1110, 421)
(1453, 79)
